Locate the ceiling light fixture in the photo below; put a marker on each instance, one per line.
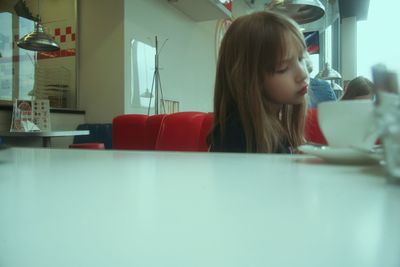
(302, 11)
(38, 40)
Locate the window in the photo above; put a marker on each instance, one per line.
(25, 74)
(21, 62)
(376, 41)
(312, 41)
(6, 52)
(142, 67)
(25, 66)
(328, 45)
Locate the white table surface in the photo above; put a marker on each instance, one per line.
(118, 208)
(45, 133)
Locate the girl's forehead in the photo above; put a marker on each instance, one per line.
(292, 47)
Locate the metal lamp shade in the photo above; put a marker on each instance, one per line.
(336, 87)
(146, 94)
(38, 40)
(327, 73)
(302, 11)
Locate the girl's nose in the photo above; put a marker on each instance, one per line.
(302, 72)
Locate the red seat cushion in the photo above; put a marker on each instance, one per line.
(88, 146)
(312, 132)
(153, 124)
(128, 132)
(180, 131)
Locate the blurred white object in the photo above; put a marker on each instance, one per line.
(348, 123)
(387, 116)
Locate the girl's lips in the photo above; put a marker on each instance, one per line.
(303, 90)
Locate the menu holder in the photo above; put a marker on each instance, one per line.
(30, 116)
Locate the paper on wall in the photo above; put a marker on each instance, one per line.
(31, 115)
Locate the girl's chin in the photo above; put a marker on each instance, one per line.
(297, 101)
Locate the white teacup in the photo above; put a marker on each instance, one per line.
(348, 123)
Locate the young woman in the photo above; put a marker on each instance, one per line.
(358, 88)
(260, 84)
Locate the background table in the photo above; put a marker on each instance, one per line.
(46, 136)
(120, 208)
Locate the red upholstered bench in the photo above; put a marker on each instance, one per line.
(135, 131)
(182, 131)
(152, 129)
(312, 132)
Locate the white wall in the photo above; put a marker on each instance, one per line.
(101, 59)
(187, 59)
(106, 30)
(349, 48)
(5, 120)
(60, 14)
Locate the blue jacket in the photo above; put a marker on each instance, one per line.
(320, 91)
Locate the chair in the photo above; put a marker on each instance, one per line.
(312, 132)
(180, 132)
(100, 133)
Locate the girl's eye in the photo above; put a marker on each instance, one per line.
(282, 70)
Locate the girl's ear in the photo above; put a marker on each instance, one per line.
(308, 61)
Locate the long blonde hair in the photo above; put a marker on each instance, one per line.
(252, 47)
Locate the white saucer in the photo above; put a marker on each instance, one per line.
(342, 155)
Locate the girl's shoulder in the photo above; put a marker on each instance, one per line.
(233, 139)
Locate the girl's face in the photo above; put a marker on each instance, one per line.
(289, 83)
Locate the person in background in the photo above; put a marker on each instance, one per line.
(358, 88)
(261, 80)
(319, 90)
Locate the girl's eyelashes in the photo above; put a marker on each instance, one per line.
(282, 70)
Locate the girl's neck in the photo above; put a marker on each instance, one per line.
(276, 109)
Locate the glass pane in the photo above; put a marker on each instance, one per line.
(25, 74)
(315, 62)
(26, 64)
(328, 45)
(142, 67)
(6, 59)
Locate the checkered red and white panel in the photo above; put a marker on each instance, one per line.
(64, 34)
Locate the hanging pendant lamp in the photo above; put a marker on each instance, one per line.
(302, 11)
(146, 94)
(327, 73)
(38, 40)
